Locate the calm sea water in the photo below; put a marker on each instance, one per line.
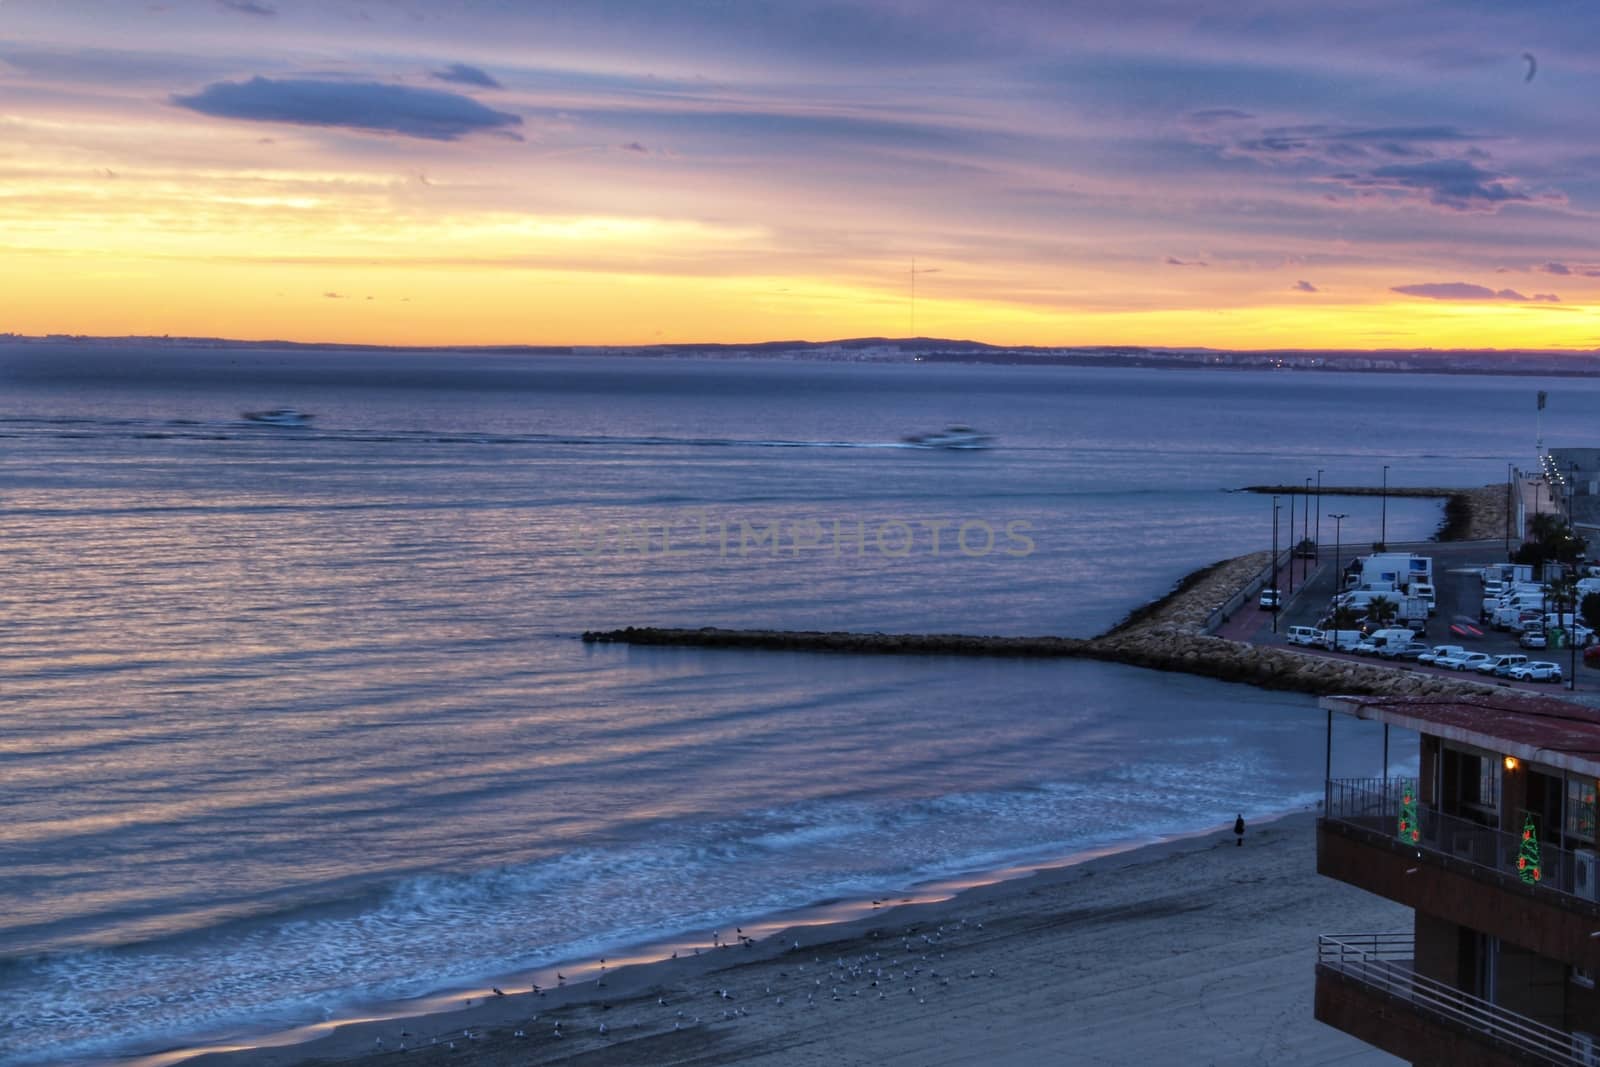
(294, 721)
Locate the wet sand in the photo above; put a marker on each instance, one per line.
(1193, 951)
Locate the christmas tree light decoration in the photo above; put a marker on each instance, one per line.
(1528, 857)
(1410, 833)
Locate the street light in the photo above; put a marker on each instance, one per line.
(1273, 567)
(1305, 531)
(1509, 479)
(1317, 541)
(1338, 576)
(1383, 521)
(1291, 542)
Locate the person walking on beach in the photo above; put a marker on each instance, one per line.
(1238, 830)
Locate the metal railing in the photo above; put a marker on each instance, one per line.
(1375, 803)
(1384, 962)
(1247, 592)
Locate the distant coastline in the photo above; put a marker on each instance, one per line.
(878, 350)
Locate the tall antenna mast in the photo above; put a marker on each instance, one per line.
(913, 296)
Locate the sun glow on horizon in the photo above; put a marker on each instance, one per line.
(769, 196)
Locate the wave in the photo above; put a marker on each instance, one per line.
(78, 428)
(445, 929)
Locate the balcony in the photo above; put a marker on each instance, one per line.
(1366, 987)
(1460, 871)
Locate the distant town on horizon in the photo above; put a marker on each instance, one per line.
(1579, 363)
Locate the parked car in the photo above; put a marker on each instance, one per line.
(1304, 635)
(1340, 640)
(1532, 639)
(1411, 651)
(1463, 661)
(1271, 599)
(1439, 652)
(1500, 666)
(1365, 647)
(1537, 671)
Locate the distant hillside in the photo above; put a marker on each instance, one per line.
(946, 350)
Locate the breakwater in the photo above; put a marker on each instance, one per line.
(1168, 634)
(1469, 514)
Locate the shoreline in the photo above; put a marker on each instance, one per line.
(1167, 633)
(1470, 514)
(291, 1045)
(981, 906)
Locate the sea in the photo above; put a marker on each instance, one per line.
(296, 723)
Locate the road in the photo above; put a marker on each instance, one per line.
(1458, 594)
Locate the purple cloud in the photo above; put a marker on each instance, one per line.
(1456, 184)
(634, 146)
(428, 114)
(1174, 261)
(1468, 291)
(462, 74)
(1303, 287)
(248, 7)
(1556, 268)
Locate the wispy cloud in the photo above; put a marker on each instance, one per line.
(1303, 287)
(248, 7)
(1468, 291)
(465, 74)
(1456, 184)
(428, 114)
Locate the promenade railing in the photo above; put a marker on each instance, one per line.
(1384, 963)
(1376, 804)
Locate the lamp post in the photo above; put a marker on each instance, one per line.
(1572, 633)
(1305, 530)
(1338, 578)
(1273, 567)
(1317, 539)
(1291, 542)
(1383, 520)
(1509, 482)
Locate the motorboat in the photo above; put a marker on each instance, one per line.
(279, 417)
(956, 437)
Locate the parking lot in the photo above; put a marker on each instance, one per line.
(1458, 595)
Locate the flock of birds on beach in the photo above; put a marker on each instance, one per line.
(911, 965)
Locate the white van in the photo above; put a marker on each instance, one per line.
(1341, 640)
(1304, 635)
(1395, 637)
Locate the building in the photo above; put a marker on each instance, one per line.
(1492, 844)
(1575, 477)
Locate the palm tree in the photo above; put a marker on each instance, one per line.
(1382, 610)
(1344, 617)
(1561, 593)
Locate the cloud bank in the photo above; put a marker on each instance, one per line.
(1468, 291)
(463, 74)
(427, 114)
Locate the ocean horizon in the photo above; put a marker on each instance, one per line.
(298, 722)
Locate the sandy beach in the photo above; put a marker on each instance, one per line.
(1192, 951)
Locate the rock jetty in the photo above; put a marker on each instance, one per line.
(1168, 634)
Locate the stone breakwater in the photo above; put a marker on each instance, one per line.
(1168, 634)
(1469, 514)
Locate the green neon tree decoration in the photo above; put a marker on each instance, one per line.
(1410, 832)
(1528, 857)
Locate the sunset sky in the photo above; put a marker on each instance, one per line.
(1240, 174)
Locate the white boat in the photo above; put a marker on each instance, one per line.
(961, 437)
(280, 417)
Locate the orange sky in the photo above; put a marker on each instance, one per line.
(284, 171)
